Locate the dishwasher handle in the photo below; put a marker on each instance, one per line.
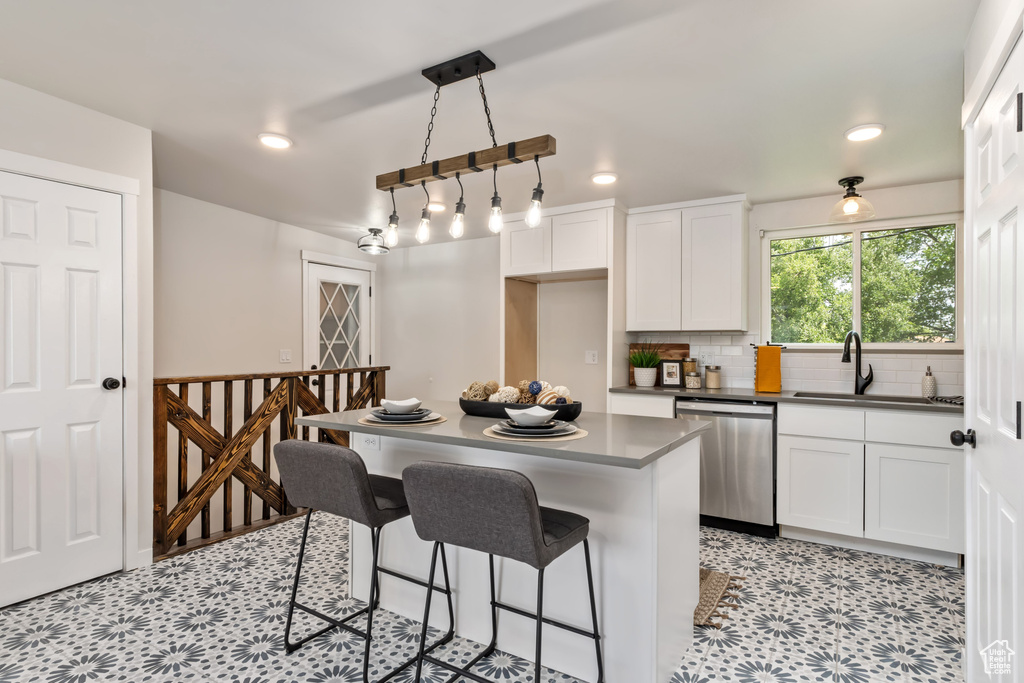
(746, 410)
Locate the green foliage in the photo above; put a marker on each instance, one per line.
(908, 287)
(647, 355)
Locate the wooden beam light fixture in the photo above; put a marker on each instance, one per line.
(453, 71)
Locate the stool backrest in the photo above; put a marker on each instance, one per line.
(326, 477)
(481, 508)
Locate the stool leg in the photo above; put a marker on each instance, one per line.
(288, 647)
(426, 612)
(372, 604)
(540, 621)
(448, 588)
(593, 612)
(494, 612)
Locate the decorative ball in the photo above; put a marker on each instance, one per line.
(547, 397)
(505, 395)
(562, 391)
(535, 387)
(475, 392)
(491, 387)
(546, 386)
(561, 401)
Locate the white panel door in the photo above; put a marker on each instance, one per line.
(714, 243)
(526, 250)
(579, 241)
(994, 350)
(338, 318)
(654, 271)
(61, 445)
(821, 484)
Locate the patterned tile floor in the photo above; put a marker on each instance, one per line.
(809, 613)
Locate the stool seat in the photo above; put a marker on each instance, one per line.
(388, 493)
(563, 528)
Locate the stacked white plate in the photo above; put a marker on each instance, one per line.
(546, 430)
(418, 416)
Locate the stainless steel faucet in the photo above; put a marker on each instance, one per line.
(860, 384)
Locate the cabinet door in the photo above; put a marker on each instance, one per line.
(714, 278)
(579, 241)
(914, 496)
(526, 250)
(642, 405)
(821, 484)
(653, 271)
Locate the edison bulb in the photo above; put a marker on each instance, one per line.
(850, 206)
(391, 236)
(458, 226)
(533, 214)
(495, 222)
(423, 230)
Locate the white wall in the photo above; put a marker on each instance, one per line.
(439, 317)
(572, 317)
(40, 125)
(992, 15)
(228, 288)
(895, 373)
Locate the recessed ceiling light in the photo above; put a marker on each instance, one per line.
(275, 141)
(604, 178)
(436, 207)
(868, 131)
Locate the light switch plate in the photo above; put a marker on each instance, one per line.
(286, 355)
(707, 359)
(590, 357)
(370, 442)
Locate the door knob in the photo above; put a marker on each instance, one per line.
(315, 382)
(111, 383)
(958, 438)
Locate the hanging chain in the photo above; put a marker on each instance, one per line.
(430, 126)
(487, 110)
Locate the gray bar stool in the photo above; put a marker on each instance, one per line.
(494, 511)
(334, 479)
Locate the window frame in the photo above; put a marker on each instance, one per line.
(856, 229)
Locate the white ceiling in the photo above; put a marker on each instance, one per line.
(683, 99)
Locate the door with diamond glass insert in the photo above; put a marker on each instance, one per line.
(337, 318)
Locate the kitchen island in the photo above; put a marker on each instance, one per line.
(635, 478)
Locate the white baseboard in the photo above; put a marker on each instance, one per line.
(867, 545)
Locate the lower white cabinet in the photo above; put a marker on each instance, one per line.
(642, 405)
(821, 484)
(914, 496)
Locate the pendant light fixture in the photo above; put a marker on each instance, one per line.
(453, 71)
(533, 213)
(458, 227)
(423, 229)
(391, 236)
(852, 207)
(373, 243)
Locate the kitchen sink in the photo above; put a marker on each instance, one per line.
(920, 400)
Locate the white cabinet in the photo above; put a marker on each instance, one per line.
(714, 240)
(579, 241)
(526, 250)
(914, 496)
(642, 405)
(686, 267)
(654, 271)
(821, 484)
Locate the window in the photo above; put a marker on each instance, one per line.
(894, 285)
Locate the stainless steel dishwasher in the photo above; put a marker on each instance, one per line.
(737, 463)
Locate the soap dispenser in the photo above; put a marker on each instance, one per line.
(928, 386)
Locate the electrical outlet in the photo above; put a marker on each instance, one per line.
(286, 355)
(590, 357)
(371, 442)
(707, 359)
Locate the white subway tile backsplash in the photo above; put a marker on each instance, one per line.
(731, 351)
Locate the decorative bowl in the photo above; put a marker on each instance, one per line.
(567, 412)
(532, 416)
(402, 407)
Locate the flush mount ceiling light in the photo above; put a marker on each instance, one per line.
(453, 71)
(604, 178)
(373, 243)
(436, 207)
(869, 131)
(852, 207)
(274, 140)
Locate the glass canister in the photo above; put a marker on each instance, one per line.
(693, 380)
(713, 376)
(689, 365)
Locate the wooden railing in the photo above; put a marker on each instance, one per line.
(226, 454)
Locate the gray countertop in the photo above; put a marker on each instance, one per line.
(788, 397)
(616, 440)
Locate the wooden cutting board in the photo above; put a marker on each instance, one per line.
(667, 352)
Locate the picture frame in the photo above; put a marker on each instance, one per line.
(671, 373)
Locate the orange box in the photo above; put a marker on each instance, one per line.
(768, 369)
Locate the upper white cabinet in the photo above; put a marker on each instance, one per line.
(686, 267)
(654, 271)
(563, 242)
(526, 250)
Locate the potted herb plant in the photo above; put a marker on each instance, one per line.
(645, 359)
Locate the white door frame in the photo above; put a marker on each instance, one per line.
(136, 520)
(309, 257)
